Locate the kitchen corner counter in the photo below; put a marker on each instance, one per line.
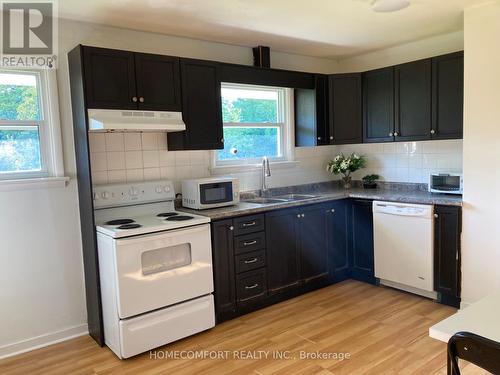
(330, 194)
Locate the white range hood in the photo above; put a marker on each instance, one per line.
(115, 120)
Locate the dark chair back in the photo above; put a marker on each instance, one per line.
(475, 349)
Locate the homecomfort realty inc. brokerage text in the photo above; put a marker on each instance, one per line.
(247, 355)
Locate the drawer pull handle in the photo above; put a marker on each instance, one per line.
(252, 286)
(251, 261)
(250, 243)
(250, 224)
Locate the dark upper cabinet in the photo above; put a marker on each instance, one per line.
(413, 101)
(109, 77)
(201, 107)
(126, 80)
(311, 114)
(378, 105)
(447, 96)
(312, 243)
(447, 230)
(224, 274)
(337, 229)
(345, 108)
(361, 240)
(282, 252)
(158, 82)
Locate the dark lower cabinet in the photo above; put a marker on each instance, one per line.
(361, 240)
(224, 273)
(282, 252)
(201, 107)
(312, 242)
(337, 229)
(447, 230)
(413, 101)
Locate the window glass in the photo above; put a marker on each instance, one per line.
(19, 149)
(253, 123)
(19, 98)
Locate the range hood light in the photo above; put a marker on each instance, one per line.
(385, 6)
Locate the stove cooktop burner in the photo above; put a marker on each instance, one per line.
(179, 218)
(130, 226)
(119, 222)
(167, 214)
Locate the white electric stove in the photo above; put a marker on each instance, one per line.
(155, 267)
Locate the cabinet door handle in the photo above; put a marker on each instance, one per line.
(396, 134)
(319, 138)
(250, 224)
(303, 215)
(134, 99)
(250, 243)
(251, 286)
(391, 134)
(436, 216)
(331, 138)
(298, 215)
(433, 131)
(231, 228)
(251, 261)
(141, 99)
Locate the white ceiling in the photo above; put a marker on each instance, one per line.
(322, 28)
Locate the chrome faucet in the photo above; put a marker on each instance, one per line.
(266, 172)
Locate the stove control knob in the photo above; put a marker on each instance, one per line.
(133, 192)
(96, 196)
(167, 189)
(105, 195)
(159, 190)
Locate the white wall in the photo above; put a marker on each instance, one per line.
(420, 49)
(481, 249)
(42, 295)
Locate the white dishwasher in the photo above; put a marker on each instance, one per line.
(404, 246)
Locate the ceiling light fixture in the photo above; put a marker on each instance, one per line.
(384, 6)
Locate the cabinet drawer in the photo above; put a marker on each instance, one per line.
(248, 224)
(249, 242)
(251, 285)
(250, 261)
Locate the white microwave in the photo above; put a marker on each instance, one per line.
(204, 193)
(448, 183)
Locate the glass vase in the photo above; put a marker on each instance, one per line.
(347, 181)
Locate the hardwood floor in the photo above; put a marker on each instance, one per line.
(383, 330)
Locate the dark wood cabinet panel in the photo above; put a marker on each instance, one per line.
(448, 96)
(413, 101)
(447, 230)
(223, 263)
(311, 114)
(312, 243)
(201, 107)
(109, 78)
(361, 240)
(378, 105)
(250, 286)
(337, 229)
(282, 253)
(345, 108)
(158, 82)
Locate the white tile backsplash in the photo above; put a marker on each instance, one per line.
(146, 158)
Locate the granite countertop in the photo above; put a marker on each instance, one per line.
(329, 192)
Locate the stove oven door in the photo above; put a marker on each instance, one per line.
(162, 269)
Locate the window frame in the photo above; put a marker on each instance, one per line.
(284, 125)
(49, 131)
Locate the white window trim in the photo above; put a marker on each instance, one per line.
(287, 160)
(50, 141)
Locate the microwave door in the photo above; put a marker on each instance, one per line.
(446, 183)
(214, 193)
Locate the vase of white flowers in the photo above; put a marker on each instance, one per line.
(345, 165)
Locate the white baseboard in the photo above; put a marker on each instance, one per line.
(37, 342)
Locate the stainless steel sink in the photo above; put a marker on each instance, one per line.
(266, 200)
(296, 197)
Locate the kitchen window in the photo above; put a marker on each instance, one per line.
(256, 123)
(30, 144)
